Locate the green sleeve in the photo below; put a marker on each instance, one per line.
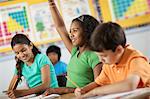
(93, 59)
(44, 60)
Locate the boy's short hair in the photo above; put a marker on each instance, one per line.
(107, 36)
(55, 49)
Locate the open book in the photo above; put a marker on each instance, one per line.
(33, 96)
(52, 96)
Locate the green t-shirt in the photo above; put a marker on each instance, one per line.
(32, 73)
(80, 69)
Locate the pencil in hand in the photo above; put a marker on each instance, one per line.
(4, 91)
(72, 82)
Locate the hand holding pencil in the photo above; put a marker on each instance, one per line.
(78, 90)
(72, 82)
(4, 91)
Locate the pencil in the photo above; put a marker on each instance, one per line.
(72, 82)
(4, 91)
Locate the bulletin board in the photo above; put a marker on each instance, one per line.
(33, 18)
(128, 13)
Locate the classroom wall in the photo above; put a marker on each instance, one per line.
(139, 38)
(6, 73)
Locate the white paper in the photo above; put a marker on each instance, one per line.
(52, 96)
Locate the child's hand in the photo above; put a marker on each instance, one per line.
(12, 94)
(77, 92)
(48, 92)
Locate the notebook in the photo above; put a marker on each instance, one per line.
(52, 96)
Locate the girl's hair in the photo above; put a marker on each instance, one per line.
(88, 24)
(55, 49)
(22, 39)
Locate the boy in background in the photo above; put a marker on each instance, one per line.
(124, 69)
(54, 54)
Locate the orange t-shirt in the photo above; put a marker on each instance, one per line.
(132, 62)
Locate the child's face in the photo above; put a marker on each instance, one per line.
(23, 52)
(110, 57)
(107, 57)
(76, 34)
(53, 57)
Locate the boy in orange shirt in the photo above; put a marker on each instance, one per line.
(124, 69)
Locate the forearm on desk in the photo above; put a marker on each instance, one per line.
(123, 86)
(89, 87)
(62, 90)
(36, 90)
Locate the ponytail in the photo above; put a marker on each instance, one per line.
(19, 69)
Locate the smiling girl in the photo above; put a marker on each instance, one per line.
(34, 66)
(84, 65)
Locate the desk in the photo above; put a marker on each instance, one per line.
(141, 93)
(25, 97)
(67, 96)
(135, 94)
(3, 97)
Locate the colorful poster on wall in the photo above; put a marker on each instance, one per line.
(128, 13)
(13, 19)
(124, 9)
(42, 22)
(73, 8)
